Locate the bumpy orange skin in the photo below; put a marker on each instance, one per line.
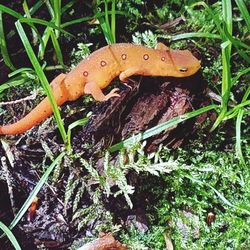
(96, 72)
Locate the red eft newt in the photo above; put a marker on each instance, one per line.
(96, 72)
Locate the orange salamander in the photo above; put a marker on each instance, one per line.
(96, 72)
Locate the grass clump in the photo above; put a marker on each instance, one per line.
(180, 203)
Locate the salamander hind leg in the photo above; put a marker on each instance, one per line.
(94, 89)
(57, 81)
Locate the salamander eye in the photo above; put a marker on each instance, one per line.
(183, 69)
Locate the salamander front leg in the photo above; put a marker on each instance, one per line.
(130, 72)
(94, 89)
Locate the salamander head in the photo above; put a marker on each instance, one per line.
(181, 63)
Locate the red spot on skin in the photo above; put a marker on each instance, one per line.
(124, 56)
(85, 73)
(103, 63)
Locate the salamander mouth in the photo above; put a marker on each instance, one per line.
(194, 69)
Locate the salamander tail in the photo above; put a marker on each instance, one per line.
(40, 112)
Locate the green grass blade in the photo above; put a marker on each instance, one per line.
(221, 196)
(107, 17)
(246, 94)
(243, 55)
(34, 30)
(239, 111)
(227, 15)
(11, 236)
(35, 191)
(18, 15)
(113, 21)
(105, 25)
(57, 49)
(194, 35)
(159, 128)
(10, 11)
(85, 19)
(244, 12)
(226, 83)
(36, 7)
(13, 83)
(44, 23)
(104, 22)
(227, 202)
(18, 71)
(42, 78)
(237, 43)
(105, 30)
(57, 11)
(226, 73)
(219, 119)
(235, 110)
(68, 6)
(53, 67)
(50, 9)
(239, 74)
(238, 136)
(3, 45)
(43, 45)
(228, 21)
(75, 21)
(80, 122)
